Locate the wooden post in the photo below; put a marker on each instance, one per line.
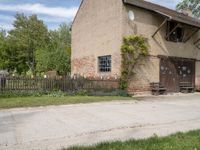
(167, 36)
(197, 41)
(191, 34)
(160, 27)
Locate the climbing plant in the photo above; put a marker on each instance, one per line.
(134, 50)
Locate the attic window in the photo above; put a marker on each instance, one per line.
(174, 32)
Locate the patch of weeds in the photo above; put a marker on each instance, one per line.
(57, 94)
(20, 94)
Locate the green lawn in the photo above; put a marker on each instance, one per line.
(179, 141)
(46, 100)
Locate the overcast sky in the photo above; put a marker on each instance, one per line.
(52, 12)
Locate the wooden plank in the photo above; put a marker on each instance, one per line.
(190, 35)
(167, 36)
(197, 41)
(162, 24)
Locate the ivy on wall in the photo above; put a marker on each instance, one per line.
(134, 50)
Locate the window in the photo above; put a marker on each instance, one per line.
(174, 32)
(104, 63)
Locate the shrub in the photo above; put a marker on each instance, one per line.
(20, 94)
(82, 93)
(134, 49)
(57, 94)
(116, 92)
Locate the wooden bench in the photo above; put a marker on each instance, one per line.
(157, 88)
(186, 87)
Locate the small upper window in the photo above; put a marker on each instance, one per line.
(174, 32)
(104, 63)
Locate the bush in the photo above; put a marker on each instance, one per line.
(57, 94)
(82, 93)
(135, 49)
(20, 94)
(110, 92)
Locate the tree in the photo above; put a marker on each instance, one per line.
(2, 49)
(57, 53)
(29, 35)
(192, 5)
(31, 47)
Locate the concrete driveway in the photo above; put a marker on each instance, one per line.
(56, 127)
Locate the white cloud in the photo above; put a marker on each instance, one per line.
(41, 9)
(6, 18)
(6, 21)
(6, 26)
(47, 19)
(53, 19)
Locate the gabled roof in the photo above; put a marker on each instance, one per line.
(171, 14)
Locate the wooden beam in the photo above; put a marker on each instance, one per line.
(197, 41)
(198, 46)
(191, 34)
(167, 36)
(162, 24)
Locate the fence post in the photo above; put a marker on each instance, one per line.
(1, 88)
(2, 82)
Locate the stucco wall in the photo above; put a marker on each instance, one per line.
(97, 31)
(197, 80)
(146, 23)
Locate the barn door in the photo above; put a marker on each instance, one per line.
(186, 71)
(168, 75)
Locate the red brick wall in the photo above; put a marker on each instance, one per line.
(84, 66)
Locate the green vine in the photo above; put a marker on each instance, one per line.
(134, 50)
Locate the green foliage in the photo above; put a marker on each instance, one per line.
(81, 92)
(109, 92)
(20, 94)
(192, 5)
(46, 100)
(3, 48)
(57, 52)
(29, 35)
(179, 141)
(134, 49)
(30, 47)
(57, 94)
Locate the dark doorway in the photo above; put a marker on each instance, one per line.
(173, 71)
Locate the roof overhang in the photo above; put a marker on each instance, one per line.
(166, 12)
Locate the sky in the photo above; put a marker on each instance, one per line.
(52, 12)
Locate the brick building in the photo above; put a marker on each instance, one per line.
(100, 25)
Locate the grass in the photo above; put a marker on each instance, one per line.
(6, 103)
(179, 141)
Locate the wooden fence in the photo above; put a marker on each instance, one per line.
(39, 84)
